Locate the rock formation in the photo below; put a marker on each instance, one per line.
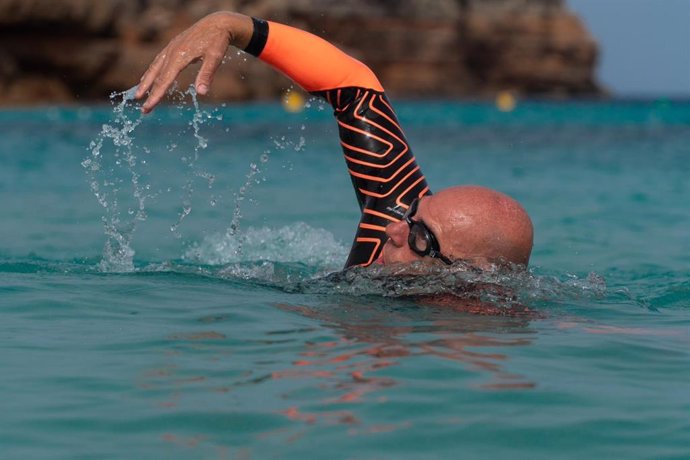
(59, 51)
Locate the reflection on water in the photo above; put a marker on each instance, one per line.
(371, 356)
(382, 337)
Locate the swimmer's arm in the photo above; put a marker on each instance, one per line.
(206, 41)
(310, 61)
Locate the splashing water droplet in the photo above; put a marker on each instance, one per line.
(118, 254)
(300, 146)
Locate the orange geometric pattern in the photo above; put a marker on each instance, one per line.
(382, 167)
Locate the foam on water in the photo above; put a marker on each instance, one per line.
(502, 287)
(295, 243)
(303, 259)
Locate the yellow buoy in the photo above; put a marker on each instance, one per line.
(293, 101)
(505, 101)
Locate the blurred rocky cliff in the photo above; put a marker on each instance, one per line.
(55, 51)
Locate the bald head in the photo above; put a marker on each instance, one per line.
(479, 224)
(471, 223)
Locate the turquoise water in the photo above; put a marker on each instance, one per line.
(184, 313)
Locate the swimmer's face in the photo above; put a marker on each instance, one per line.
(416, 236)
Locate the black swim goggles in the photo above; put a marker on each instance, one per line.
(421, 239)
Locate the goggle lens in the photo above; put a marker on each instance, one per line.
(420, 239)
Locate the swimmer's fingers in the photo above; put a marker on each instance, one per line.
(180, 52)
(198, 43)
(164, 78)
(210, 63)
(150, 75)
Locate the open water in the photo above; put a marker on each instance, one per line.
(165, 288)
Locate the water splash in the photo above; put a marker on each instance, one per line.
(105, 179)
(251, 178)
(114, 157)
(298, 243)
(114, 153)
(198, 119)
(505, 288)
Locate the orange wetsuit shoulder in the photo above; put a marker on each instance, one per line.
(312, 62)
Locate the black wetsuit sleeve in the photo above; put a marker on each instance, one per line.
(384, 172)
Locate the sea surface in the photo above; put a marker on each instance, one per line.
(171, 287)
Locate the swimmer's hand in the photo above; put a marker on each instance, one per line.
(206, 41)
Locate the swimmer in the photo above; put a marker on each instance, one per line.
(401, 221)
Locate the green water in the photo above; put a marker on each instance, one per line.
(215, 334)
